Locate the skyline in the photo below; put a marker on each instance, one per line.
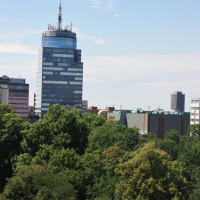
(134, 54)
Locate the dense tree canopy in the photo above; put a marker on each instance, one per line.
(72, 155)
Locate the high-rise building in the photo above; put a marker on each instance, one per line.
(60, 71)
(16, 93)
(194, 111)
(178, 101)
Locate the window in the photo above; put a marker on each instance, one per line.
(71, 74)
(48, 63)
(77, 92)
(53, 68)
(63, 55)
(75, 83)
(63, 64)
(78, 78)
(46, 72)
(55, 82)
(45, 104)
(75, 69)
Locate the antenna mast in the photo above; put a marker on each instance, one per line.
(60, 17)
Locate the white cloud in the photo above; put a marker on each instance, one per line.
(117, 15)
(100, 41)
(93, 39)
(23, 33)
(141, 80)
(106, 5)
(102, 4)
(17, 48)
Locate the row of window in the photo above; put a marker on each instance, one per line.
(47, 72)
(53, 68)
(75, 69)
(63, 64)
(63, 82)
(75, 83)
(71, 74)
(77, 92)
(78, 78)
(60, 69)
(48, 63)
(45, 104)
(63, 55)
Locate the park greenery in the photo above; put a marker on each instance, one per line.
(70, 155)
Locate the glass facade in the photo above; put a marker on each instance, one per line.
(60, 71)
(59, 42)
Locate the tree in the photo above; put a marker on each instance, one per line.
(93, 120)
(194, 130)
(104, 188)
(60, 127)
(36, 181)
(168, 146)
(195, 177)
(173, 135)
(10, 138)
(112, 134)
(150, 175)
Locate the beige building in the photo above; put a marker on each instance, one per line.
(4, 89)
(194, 111)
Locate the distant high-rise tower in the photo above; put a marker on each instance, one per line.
(178, 101)
(60, 71)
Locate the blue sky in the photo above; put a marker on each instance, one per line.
(135, 52)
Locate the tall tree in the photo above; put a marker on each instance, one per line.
(10, 138)
(150, 175)
(36, 181)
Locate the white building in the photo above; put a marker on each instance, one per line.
(194, 113)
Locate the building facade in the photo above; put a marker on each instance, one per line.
(4, 89)
(19, 96)
(60, 71)
(194, 111)
(178, 101)
(152, 121)
(15, 92)
(159, 122)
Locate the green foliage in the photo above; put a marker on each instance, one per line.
(60, 128)
(195, 195)
(10, 138)
(59, 159)
(93, 120)
(168, 146)
(189, 152)
(173, 135)
(112, 134)
(72, 155)
(194, 130)
(150, 175)
(37, 182)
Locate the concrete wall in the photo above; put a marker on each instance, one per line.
(139, 120)
(159, 124)
(154, 126)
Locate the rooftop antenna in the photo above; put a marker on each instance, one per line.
(60, 17)
(71, 26)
